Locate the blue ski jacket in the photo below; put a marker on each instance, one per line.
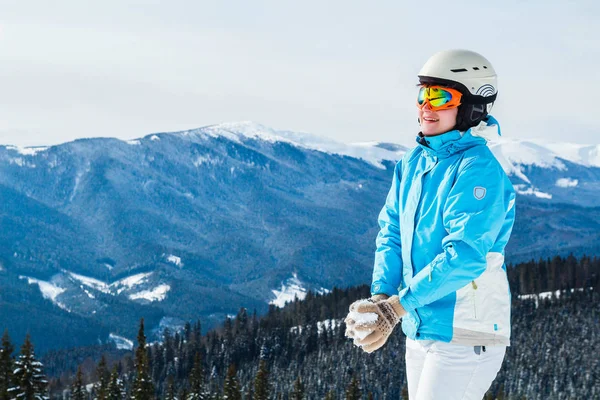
(444, 226)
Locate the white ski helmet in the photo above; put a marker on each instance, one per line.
(471, 74)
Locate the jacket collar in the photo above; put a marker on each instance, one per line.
(455, 141)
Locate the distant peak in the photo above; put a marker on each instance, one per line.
(372, 152)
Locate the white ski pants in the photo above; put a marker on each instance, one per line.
(444, 371)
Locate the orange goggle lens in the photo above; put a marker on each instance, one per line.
(438, 97)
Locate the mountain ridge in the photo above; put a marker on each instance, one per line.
(224, 218)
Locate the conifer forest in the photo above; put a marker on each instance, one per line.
(300, 351)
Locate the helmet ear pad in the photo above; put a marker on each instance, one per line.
(470, 115)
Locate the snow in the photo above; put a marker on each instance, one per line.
(369, 152)
(513, 154)
(91, 282)
(513, 151)
(289, 292)
(327, 324)
(290, 289)
(19, 161)
(321, 326)
(524, 190)
(121, 342)
(49, 290)
(159, 293)
(174, 260)
(542, 295)
(361, 319)
(28, 151)
(566, 182)
(77, 182)
(547, 295)
(131, 281)
(119, 286)
(588, 155)
(201, 160)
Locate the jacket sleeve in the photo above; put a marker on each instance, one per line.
(473, 215)
(387, 271)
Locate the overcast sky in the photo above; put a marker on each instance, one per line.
(342, 69)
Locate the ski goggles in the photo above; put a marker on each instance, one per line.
(438, 97)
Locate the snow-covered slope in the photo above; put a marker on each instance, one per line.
(372, 152)
(551, 171)
(292, 289)
(512, 152)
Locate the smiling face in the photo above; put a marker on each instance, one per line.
(437, 122)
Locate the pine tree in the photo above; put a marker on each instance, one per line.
(262, 388)
(330, 395)
(249, 393)
(184, 393)
(231, 387)
(30, 382)
(500, 394)
(6, 366)
(353, 391)
(101, 387)
(197, 389)
(404, 393)
(115, 386)
(213, 387)
(170, 395)
(78, 391)
(142, 385)
(298, 392)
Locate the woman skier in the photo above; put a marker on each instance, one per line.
(439, 264)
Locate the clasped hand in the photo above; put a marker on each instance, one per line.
(370, 322)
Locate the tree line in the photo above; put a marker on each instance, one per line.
(300, 352)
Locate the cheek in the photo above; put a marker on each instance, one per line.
(449, 116)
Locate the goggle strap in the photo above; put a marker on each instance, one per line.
(474, 99)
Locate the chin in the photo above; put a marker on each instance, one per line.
(427, 132)
(434, 131)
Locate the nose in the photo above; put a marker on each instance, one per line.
(426, 106)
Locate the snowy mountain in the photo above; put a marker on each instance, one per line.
(552, 171)
(97, 233)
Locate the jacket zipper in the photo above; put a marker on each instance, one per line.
(474, 299)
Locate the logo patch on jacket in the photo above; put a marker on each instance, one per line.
(479, 192)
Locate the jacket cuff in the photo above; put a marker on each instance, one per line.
(383, 288)
(408, 300)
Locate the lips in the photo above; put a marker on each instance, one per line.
(430, 119)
